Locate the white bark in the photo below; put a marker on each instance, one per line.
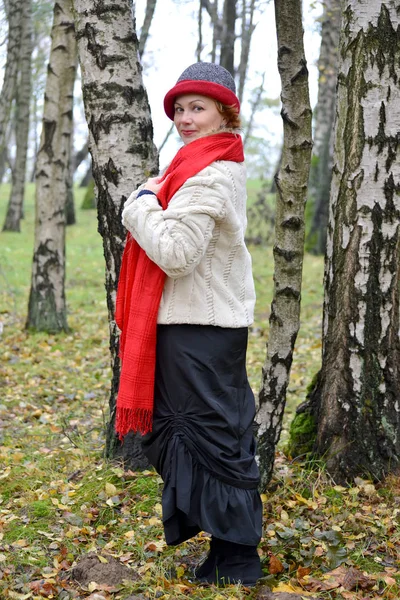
(120, 137)
(47, 309)
(289, 230)
(11, 69)
(23, 98)
(355, 399)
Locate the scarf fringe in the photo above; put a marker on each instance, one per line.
(133, 419)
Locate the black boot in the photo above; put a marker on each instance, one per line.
(234, 563)
(207, 567)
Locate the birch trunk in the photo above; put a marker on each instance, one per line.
(228, 36)
(47, 308)
(14, 13)
(248, 28)
(23, 98)
(121, 145)
(291, 184)
(321, 173)
(144, 34)
(355, 403)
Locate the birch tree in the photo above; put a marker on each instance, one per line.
(291, 182)
(321, 171)
(353, 409)
(148, 17)
(11, 67)
(47, 308)
(22, 105)
(121, 145)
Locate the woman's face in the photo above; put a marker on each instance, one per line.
(195, 116)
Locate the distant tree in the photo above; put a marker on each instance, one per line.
(321, 169)
(352, 413)
(224, 35)
(145, 30)
(228, 36)
(22, 106)
(122, 149)
(247, 30)
(47, 308)
(291, 183)
(7, 94)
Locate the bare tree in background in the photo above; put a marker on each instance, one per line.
(291, 185)
(22, 106)
(248, 7)
(47, 308)
(122, 149)
(321, 169)
(14, 12)
(148, 17)
(228, 36)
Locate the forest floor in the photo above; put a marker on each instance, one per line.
(61, 500)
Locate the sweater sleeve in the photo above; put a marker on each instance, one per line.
(176, 239)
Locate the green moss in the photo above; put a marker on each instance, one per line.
(301, 435)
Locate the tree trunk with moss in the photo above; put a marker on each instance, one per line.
(354, 403)
(291, 184)
(47, 307)
(121, 145)
(321, 167)
(22, 104)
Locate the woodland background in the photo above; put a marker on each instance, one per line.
(76, 522)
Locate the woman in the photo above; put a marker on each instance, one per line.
(185, 301)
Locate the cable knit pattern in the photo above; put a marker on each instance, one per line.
(199, 242)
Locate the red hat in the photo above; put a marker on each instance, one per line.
(207, 79)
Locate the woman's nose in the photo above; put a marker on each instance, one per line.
(186, 116)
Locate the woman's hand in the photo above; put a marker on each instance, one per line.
(154, 184)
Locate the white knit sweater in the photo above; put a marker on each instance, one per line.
(199, 242)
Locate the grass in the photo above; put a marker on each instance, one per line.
(60, 499)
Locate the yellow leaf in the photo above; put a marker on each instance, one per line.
(92, 586)
(264, 498)
(154, 521)
(102, 559)
(291, 589)
(129, 534)
(180, 571)
(158, 508)
(111, 490)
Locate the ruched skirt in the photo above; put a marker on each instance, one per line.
(202, 441)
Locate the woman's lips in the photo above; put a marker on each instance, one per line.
(187, 131)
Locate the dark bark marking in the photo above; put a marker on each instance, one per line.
(288, 255)
(111, 172)
(289, 292)
(49, 128)
(294, 223)
(283, 50)
(302, 72)
(288, 120)
(385, 38)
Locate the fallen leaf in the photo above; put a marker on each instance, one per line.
(275, 566)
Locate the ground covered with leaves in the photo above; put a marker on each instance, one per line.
(74, 525)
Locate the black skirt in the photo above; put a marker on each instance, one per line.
(202, 441)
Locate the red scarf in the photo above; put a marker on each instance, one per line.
(140, 286)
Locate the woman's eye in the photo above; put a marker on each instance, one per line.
(198, 108)
(177, 109)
